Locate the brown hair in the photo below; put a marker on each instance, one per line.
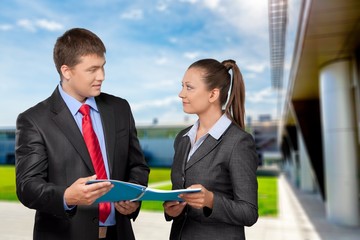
(75, 43)
(216, 75)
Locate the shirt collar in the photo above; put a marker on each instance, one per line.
(215, 131)
(220, 127)
(74, 104)
(192, 132)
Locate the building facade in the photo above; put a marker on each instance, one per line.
(7, 145)
(319, 132)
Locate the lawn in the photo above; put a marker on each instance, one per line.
(267, 196)
(267, 199)
(7, 183)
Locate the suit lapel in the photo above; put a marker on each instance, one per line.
(184, 148)
(108, 120)
(65, 121)
(178, 167)
(206, 147)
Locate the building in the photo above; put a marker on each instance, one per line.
(7, 145)
(319, 129)
(157, 142)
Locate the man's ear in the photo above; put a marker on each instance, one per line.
(65, 72)
(214, 95)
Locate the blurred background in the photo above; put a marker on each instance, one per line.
(301, 63)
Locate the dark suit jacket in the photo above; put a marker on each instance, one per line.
(227, 167)
(51, 154)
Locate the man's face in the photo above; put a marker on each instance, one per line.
(84, 79)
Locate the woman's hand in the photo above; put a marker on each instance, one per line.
(126, 207)
(198, 200)
(173, 208)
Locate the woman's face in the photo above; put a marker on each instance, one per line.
(194, 93)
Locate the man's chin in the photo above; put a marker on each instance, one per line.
(95, 93)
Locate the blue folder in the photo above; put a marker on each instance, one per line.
(134, 192)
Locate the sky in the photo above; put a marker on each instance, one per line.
(150, 44)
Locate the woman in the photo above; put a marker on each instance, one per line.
(216, 155)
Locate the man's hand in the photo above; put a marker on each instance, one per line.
(81, 194)
(126, 207)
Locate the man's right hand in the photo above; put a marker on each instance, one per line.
(80, 193)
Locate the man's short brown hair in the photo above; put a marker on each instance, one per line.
(75, 43)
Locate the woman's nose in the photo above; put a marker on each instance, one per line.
(181, 94)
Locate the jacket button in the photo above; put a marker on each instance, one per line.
(95, 220)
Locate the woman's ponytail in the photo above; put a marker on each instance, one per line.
(235, 107)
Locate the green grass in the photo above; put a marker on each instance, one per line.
(267, 196)
(267, 193)
(159, 175)
(267, 200)
(7, 183)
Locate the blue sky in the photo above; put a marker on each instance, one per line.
(149, 44)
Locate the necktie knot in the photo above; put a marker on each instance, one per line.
(84, 109)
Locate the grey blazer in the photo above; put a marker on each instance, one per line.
(51, 154)
(227, 167)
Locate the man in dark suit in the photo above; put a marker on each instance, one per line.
(53, 162)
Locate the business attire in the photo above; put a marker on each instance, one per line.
(51, 154)
(224, 161)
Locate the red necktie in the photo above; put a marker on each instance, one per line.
(93, 146)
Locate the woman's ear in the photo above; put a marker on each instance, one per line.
(214, 95)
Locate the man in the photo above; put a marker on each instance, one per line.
(54, 160)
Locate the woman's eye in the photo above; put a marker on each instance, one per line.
(188, 87)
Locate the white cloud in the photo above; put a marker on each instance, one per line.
(189, 1)
(267, 95)
(5, 27)
(156, 103)
(173, 40)
(133, 14)
(161, 7)
(26, 24)
(212, 4)
(265, 101)
(49, 25)
(250, 76)
(257, 68)
(45, 24)
(161, 60)
(191, 55)
(161, 84)
(249, 17)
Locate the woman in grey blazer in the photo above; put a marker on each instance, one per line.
(215, 154)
